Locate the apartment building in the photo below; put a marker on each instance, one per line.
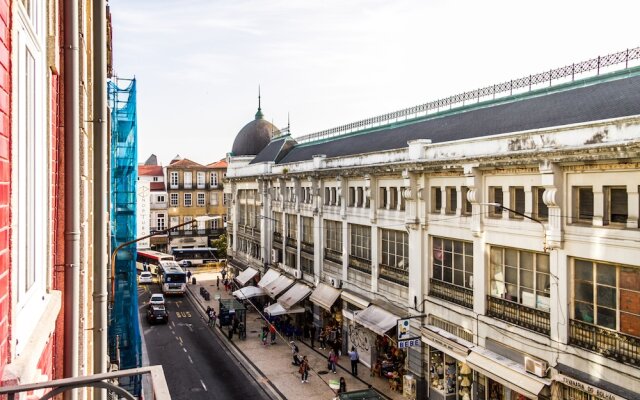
(152, 204)
(488, 241)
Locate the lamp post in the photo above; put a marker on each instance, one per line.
(202, 218)
(544, 229)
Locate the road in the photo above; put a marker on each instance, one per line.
(195, 364)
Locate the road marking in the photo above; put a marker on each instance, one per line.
(178, 303)
(180, 340)
(185, 350)
(173, 324)
(205, 388)
(190, 360)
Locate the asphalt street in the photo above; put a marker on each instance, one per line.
(196, 366)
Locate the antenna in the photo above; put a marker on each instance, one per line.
(258, 97)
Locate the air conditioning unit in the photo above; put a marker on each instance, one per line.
(297, 274)
(335, 282)
(536, 367)
(275, 256)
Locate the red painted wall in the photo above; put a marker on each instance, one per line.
(5, 180)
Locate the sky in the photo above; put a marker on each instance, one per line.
(320, 64)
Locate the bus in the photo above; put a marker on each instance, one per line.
(173, 279)
(195, 256)
(152, 259)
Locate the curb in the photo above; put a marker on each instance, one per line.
(258, 376)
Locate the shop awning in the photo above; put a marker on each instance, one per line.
(324, 296)
(291, 297)
(278, 285)
(249, 292)
(354, 299)
(376, 319)
(245, 275)
(277, 309)
(268, 277)
(506, 371)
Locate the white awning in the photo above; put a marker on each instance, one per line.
(277, 309)
(278, 285)
(268, 277)
(324, 296)
(291, 297)
(249, 292)
(376, 319)
(506, 371)
(354, 299)
(245, 275)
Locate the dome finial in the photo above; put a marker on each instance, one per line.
(259, 114)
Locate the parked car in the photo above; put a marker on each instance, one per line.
(185, 263)
(157, 313)
(145, 277)
(157, 299)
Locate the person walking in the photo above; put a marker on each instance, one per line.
(333, 359)
(353, 356)
(188, 275)
(272, 331)
(218, 282)
(304, 370)
(312, 334)
(322, 339)
(264, 335)
(343, 385)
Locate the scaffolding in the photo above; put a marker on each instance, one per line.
(124, 330)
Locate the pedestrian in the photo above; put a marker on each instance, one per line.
(188, 276)
(322, 339)
(343, 385)
(218, 282)
(223, 273)
(333, 359)
(213, 317)
(312, 334)
(209, 315)
(264, 335)
(353, 356)
(304, 370)
(272, 330)
(294, 351)
(235, 324)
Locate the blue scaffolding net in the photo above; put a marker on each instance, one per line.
(124, 329)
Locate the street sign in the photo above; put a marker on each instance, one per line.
(403, 344)
(403, 329)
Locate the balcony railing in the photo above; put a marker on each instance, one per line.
(611, 344)
(395, 275)
(160, 390)
(247, 230)
(196, 232)
(306, 247)
(333, 255)
(360, 264)
(449, 292)
(526, 317)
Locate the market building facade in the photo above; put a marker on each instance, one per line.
(502, 224)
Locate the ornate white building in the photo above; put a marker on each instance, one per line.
(396, 216)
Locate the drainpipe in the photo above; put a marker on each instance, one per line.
(72, 191)
(100, 192)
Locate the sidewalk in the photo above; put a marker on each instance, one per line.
(274, 361)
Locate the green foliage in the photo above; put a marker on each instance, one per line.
(221, 245)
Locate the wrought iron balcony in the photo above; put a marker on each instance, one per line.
(526, 317)
(393, 274)
(306, 247)
(611, 344)
(360, 264)
(333, 255)
(160, 390)
(249, 231)
(449, 292)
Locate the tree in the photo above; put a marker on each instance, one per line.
(221, 244)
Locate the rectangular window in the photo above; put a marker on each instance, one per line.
(187, 199)
(360, 241)
(517, 202)
(452, 200)
(333, 235)
(306, 265)
(173, 200)
(160, 222)
(155, 179)
(160, 198)
(540, 209)
(188, 226)
(307, 230)
(226, 198)
(334, 197)
(495, 196)
(173, 179)
(173, 221)
(607, 295)
(383, 197)
(395, 249)
(200, 179)
(188, 178)
(616, 205)
(436, 200)
(520, 276)
(201, 200)
(214, 199)
(292, 228)
(327, 196)
(213, 179)
(583, 204)
(351, 202)
(277, 222)
(393, 198)
(359, 197)
(467, 209)
(452, 261)
(291, 260)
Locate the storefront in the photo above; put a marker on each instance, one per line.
(278, 285)
(246, 275)
(449, 376)
(329, 308)
(572, 384)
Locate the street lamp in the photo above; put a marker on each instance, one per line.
(202, 218)
(544, 229)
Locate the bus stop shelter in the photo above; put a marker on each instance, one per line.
(230, 308)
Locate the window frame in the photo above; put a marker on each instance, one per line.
(360, 241)
(173, 179)
(608, 217)
(174, 200)
(520, 206)
(496, 195)
(201, 199)
(188, 183)
(188, 200)
(578, 196)
(538, 204)
(333, 237)
(441, 247)
(394, 249)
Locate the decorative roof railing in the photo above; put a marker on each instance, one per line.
(505, 88)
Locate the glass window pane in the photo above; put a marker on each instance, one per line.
(447, 275)
(511, 257)
(542, 262)
(584, 292)
(606, 317)
(584, 270)
(543, 283)
(606, 274)
(583, 312)
(458, 261)
(606, 296)
(526, 260)
(511, 275)
(526, 279)
(458, 278)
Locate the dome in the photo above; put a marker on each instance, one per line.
(254, 136)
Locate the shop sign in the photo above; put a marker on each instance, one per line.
(404, 328)
(403, 344)
(586, 388)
